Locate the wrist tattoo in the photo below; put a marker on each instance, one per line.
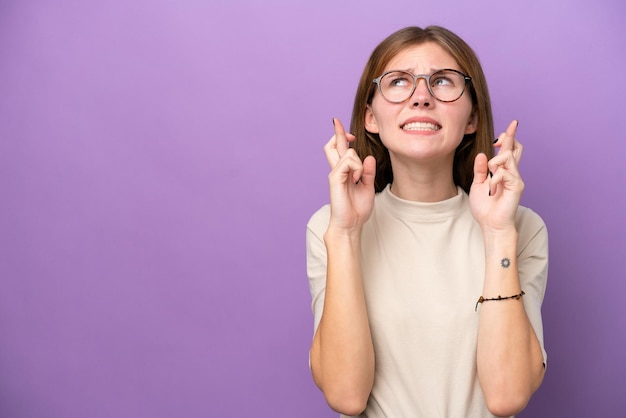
(505, 263)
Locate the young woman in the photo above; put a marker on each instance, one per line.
(427, 277)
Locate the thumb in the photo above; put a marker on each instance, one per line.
(369, 171)
(481, 171)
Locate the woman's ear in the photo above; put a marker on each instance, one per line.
(370, 120)
(472, 124)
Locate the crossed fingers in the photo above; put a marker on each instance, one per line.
(507, 143)
(504, 166)
(338, 144)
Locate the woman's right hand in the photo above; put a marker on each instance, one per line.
(351, 182)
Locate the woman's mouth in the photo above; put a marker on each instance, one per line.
(421, 127)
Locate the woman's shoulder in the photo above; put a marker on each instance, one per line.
(318, 222)
(530, 226)
(528, 218)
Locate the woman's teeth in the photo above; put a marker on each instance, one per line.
(421, 126)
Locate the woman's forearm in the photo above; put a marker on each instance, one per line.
(510, 359)
(342, 353)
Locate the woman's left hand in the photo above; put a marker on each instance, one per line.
(494, 199)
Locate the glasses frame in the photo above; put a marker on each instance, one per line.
(426, 77)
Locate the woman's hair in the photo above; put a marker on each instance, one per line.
(367, 143)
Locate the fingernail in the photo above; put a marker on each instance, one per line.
(516, 123)
(333, 121)
(495, 140)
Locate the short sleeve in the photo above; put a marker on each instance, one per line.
(532, 259)
(316, 260)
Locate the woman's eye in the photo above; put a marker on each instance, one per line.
(399, 82)
(442, 82)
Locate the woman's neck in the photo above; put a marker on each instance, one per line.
(423, 182)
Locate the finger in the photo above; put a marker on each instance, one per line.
(506, 140)
(511, 130)
(341, 137)
(503, 159)
(356, 165)
(330, 151)
(369, 171)
(507, 159)
(517, 152)
(348, 169)
(496, 181)
(505, 179)
(481, 170)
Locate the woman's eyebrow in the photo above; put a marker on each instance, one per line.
(432, 70)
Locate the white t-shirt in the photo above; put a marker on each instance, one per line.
(423, 267)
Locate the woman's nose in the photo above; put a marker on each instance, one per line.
(421, 96)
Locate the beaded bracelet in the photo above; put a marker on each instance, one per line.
(482, 299)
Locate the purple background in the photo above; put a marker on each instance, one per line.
(159, 160)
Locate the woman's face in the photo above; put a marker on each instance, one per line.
(421, 128)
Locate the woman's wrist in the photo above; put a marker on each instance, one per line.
(507, 234)
(501, 242)
(335, 234)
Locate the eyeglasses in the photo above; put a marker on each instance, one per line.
(445, 85)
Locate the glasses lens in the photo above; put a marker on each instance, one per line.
(396, 86)
(446, 85)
